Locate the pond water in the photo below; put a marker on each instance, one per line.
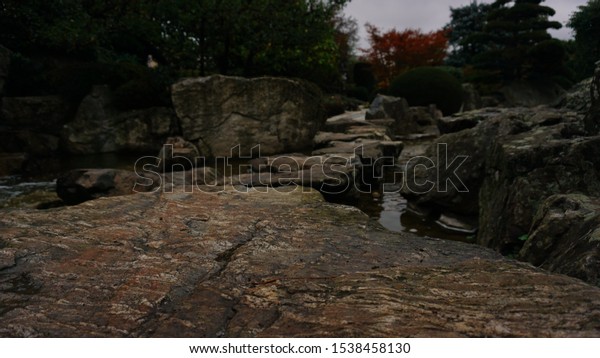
(390, 209)
(387, 207)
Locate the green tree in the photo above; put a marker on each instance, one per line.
(514, 31)
(586, 24)
(251, 38)
(237, 37)
(465, 21)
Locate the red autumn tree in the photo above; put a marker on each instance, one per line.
(394, 52)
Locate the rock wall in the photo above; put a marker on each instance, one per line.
(565, 237)
(517, 159)
(218, 113)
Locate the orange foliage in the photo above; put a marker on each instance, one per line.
(394, 52)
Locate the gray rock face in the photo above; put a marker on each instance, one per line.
(407, 120)
(525, 170)
(387, 107)
(565, 237)
(516, 159)
(177, 154)
(334, 174)
(218, 113)
(78, 186)
(99, 128)
(231, 264)
(578, 98)
(471, 98)
(4, 65)
(531, 94)
(466, 120)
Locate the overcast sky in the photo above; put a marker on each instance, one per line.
(429, 15)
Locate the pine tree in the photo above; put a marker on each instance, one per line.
(515, 34)
(465, 21)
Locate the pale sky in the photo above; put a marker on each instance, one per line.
(430, 15)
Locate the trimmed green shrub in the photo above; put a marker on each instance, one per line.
(456, 72)
(429, 85)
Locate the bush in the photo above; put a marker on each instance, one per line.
(429, 85)
(456, 72)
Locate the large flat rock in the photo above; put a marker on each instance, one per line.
(276, 264)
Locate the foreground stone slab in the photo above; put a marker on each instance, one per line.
(276, 264)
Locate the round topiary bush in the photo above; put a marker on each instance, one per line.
(429, 85)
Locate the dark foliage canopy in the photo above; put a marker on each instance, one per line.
(296, 38)
(586, 24)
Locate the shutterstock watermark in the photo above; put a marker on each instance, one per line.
(332, 174)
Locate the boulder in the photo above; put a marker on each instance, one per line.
(81, 185)
(178, 154)
(100, 128)
(334, 174)
(578, 98)
(466, 120)
(565, 237)
(324, 139)
(424, 116)
(342, 124)
(423, 184)
(4, 66)
(256, 264)
(531, 93)
(220, 113)
(407, 120)
(387, 107)
(521, 173)
(46, 114)
(515, 159)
